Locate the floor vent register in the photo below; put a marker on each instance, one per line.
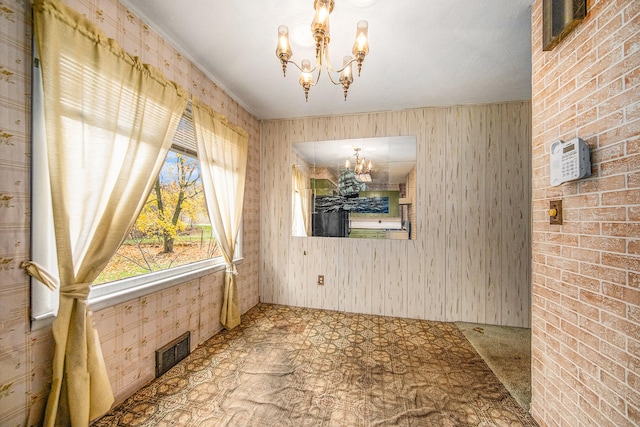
(170, 354)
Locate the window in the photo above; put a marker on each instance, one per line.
(165, 246)
(173, 228)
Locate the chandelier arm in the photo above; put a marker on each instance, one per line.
(330, 68)
(300, 68)
(331, 78)
(318, 65)
(318, 76)
(297, 66)
(346, 65)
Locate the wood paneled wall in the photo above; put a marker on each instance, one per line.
(472, 254)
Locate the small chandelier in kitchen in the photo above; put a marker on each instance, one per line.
(320, 31)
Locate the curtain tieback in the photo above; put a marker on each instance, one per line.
(79, 291)
(231, 269)
(34, 270)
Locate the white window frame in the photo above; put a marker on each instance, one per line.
(44, 302)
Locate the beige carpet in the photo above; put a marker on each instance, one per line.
(507, 351)
(288, 366)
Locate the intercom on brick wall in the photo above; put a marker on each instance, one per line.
(569, 161)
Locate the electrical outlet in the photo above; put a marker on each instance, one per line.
(320, 280)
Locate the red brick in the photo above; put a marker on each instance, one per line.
(627, 130)
(614, 414)
(632, 9)
(582, 309)
(604, 62)
(634, 280)
(621, 261)
(622, 359)
(551, 249)
(581, 201)
(612, 383)
(626, 31)
(564, 264)
(633, 380)
(625, 197)
(582, 335)
(613, 151)
(604, 303)
(633, 146)
(624, 229)
(633, 414)
(601, 272)
(632, 78)
(627, 164)
(593, 96)
(632, 45)
(633, 180)
(585, 364)
(609, 244)
(630, 329)
(608, 18)
(603, 214)
(591, 228)
(624, 293)
(583, 280)
(605, 334)
(603, 124)
(620, 69)
(634, 349)
(615, 182)
(619, 102)
(556, 312)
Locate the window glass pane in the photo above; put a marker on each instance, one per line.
(172, 229)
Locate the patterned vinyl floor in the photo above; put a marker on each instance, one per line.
(289, 366)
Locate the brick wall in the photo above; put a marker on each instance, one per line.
(586, 273)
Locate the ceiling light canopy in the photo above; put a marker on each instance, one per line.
(320, 32)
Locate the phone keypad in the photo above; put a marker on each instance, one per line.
(570, 164)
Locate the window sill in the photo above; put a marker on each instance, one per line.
(110, 294)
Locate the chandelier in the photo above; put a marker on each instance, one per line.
(320, 31)
(360, 167)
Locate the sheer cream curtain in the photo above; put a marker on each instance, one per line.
(109, 123)
(301, 202)
(222, 152)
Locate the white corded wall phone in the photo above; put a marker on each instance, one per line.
(569, 161)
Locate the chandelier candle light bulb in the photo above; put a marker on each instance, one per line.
(320, 32)
(361, 45)
(284, 47)
(306, 79)
(346, 77)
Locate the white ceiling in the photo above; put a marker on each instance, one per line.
(423, 53)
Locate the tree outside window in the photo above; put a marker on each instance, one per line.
(173, 227)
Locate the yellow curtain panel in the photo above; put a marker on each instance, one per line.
(222, 151)
(109, 123)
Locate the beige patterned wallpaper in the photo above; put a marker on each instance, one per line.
(471, 257)
(130, 332)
